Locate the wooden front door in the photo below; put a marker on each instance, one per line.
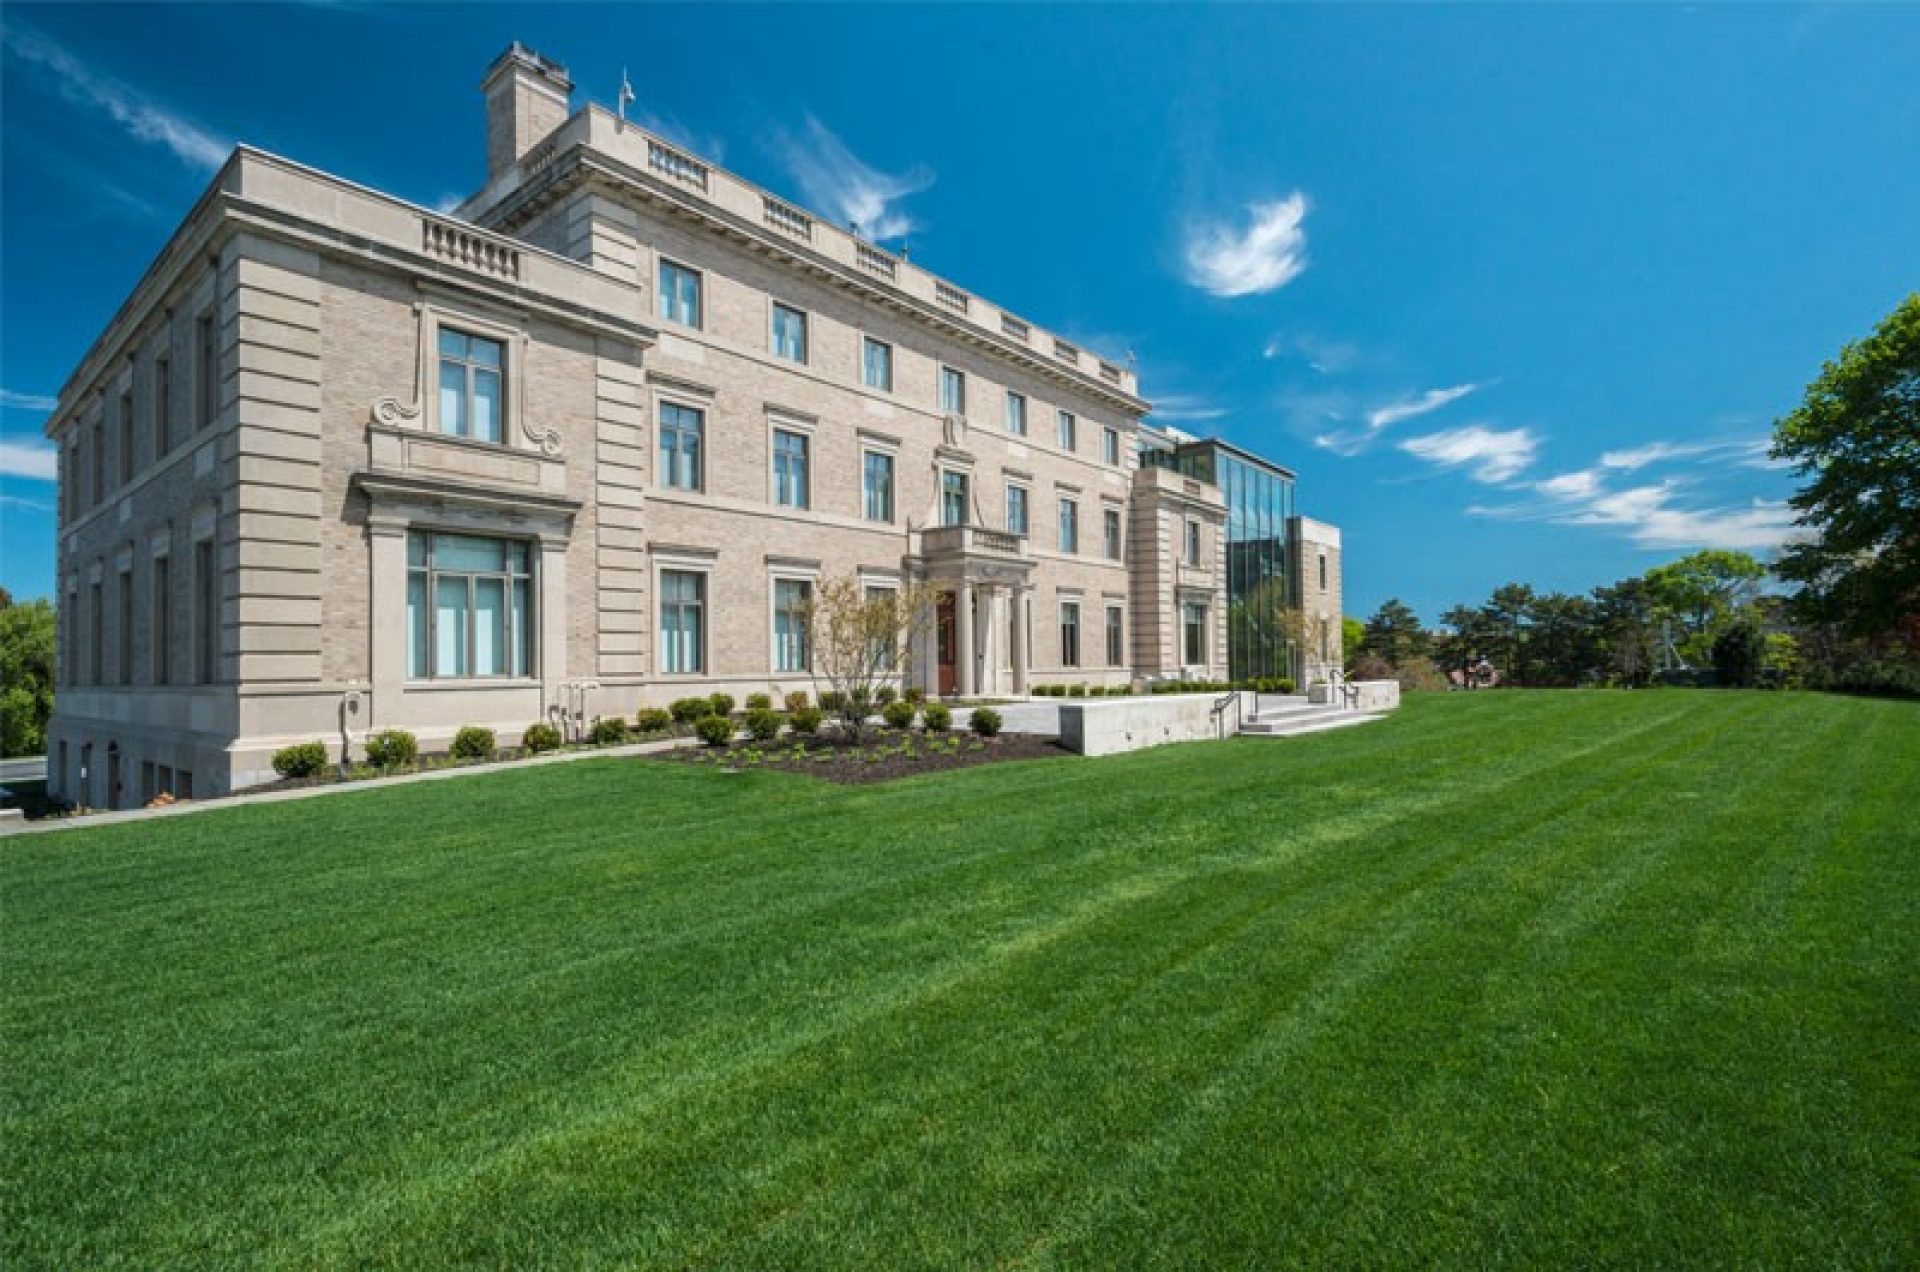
(943, 629)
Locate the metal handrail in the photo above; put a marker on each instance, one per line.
(1220, 713)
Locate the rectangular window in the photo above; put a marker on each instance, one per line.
(1069, 431)
(97, 444)
(789, 333)
(1017, 510)
(208, 389)
(681, 431)
(883, 653)
(126, 438)
(162, 406)
(876, 483)
(162, 621)
(790, 600)
(96, 645)
(953, 391)
(1116, 541)
(1069, 633)
(679, 294)
(1116, 637)
(1016, 413)
(1069, 526)
(1110, 445)
(876, 365)
(469, 607)
(470, 385)
(953, 499)
(789, 469)
(125, 624)
(1193, 543)
(206, 614)
(683, 622)
(1323, 571)
(1195, 622)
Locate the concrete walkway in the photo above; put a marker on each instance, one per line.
(187, 808)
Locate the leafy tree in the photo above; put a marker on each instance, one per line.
(1627, 626)
(1476, 634)
(1353, 633)
(1563, 645)
(1737, 653)
(26, 675)
(862, 640)
(1509, 613)
(1705, 592)
(1394, 634)
(1856, 437)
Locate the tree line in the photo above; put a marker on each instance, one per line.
(1839, 608)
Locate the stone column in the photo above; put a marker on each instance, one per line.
(1019, 608)
(387, 622)
(963, 640)
(551, 586)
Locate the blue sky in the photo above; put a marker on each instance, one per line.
(1517, 291)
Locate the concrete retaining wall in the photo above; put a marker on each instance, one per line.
(1374, 695)
(1128, 724)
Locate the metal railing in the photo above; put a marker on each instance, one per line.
(1225, 703)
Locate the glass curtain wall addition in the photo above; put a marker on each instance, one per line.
(1259, 593)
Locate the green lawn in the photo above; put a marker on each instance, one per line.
(1513, 978)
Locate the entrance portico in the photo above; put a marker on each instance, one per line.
(980, 641)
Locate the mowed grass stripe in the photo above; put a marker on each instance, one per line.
(1186, 1006)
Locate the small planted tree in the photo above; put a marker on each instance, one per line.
(860, 640)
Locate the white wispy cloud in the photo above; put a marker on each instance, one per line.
(1265, 253)
(26, 401)
(25, 505)
(33, 461)
(1327, 357)
(839, 184)
(1580, 484)
(140, 116)
(1412, 408)
(1656, 515)
(1179, 407)
(1638, 457)
(1489, 455)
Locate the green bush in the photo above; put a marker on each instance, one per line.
(302, 759)
(759, 702)
(1076, 691)
(806, 720)
(985, 721)
(916, 695)
(1285, 684)
(721, 704)
(540, 737)
(391, 748)
(937, 717)
(832, 700)
(610, 731)
(796, 701)
(898, 715)
(763, 724)
(885, 694)
(654, 720)
(714, 730)
(472, 743)
(687, 710)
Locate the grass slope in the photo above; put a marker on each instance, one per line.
(1578, 978)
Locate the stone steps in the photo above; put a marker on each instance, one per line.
(1292, 722)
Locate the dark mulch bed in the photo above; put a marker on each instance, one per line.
(886, 754)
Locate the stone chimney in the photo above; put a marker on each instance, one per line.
(527, 98)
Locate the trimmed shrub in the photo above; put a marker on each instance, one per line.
(898, 715)
(1076, 691)
(687, 710)
(759, 702)
(540, 737)
(654, 720)
(806, 720)
(610, 731)
(796, 701)
(390, 748)
(832, 700)
(1285, 684)
(721, 704)
(937, 717)
(714, 730)
(985, 721)
(302, 759)
(916, 695)
(472, 743)
(885, 694)
(763, 724)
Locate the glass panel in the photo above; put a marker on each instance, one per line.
(489, 627)
(453, 398)
(417, 626)
(416, 549)
(483, 351)
(450, 627)
(486, 405)
(452, 343)
(522, 633)
(465, 552)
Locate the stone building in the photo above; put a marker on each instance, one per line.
(340, 463)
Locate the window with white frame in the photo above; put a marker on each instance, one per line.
(683, 622)
(954, 500)
(679, 293)
(790, 600)
(1069, 431)
(469, 607)
(1069, 633)
(884, 653)
(472, 371)
(953, 391)
(876, 365)
(790, 468)
(876, 485)
(1115, 538)
(1017, 522)
(682, 434)
(1193, 542)
(1194, 621)
(789, 333)
(1110, 445)
(1116, 636)
(1069, 525)
(1016, 413)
